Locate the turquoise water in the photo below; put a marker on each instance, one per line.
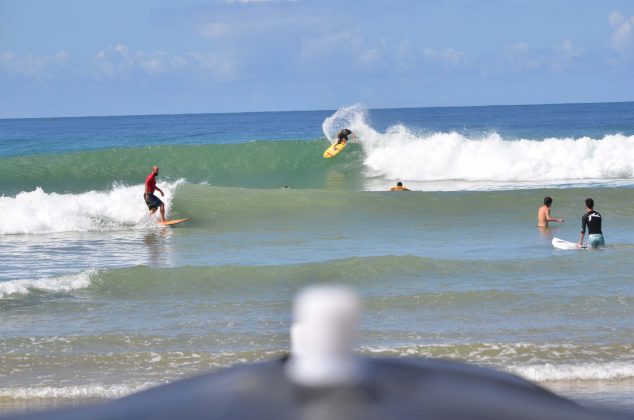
(97, 301)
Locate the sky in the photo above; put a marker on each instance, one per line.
(85, 57)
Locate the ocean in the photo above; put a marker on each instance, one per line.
(97, 301)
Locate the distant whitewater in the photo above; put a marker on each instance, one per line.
(401, 153)
(414, 146)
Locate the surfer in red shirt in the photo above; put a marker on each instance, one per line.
(152, 201)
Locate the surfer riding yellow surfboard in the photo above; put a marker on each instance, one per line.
(342, 140)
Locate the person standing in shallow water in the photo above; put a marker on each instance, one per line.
(591, 220)
(152, 201)
(543, 214)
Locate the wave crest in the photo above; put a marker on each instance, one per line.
(37, 212)
(583, 372)
(48, 284)
(400, 153)
(73, 392)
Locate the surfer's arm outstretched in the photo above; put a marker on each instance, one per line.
(551, 218)
(584, 222)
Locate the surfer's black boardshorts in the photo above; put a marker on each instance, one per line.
(152, 201)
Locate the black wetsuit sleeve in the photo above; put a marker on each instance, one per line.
(584, 223)
(343, 135)
(594, 223)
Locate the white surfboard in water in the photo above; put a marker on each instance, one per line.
(561, 244)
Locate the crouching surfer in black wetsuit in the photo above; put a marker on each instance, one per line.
(342, 136)
(592, 219)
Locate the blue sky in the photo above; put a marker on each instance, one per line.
(79, 57)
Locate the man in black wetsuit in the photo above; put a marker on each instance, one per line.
(342, 136)
(592, 219)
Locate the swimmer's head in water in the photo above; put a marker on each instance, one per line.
(399, 184)
(589, 203)
(548, 201)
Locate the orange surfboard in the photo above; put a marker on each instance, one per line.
(174, 221)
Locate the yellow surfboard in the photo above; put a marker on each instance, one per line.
(173, 222)
(334, 150)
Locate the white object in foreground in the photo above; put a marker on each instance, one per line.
(323, 336)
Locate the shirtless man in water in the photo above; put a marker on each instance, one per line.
(399, 187)
(543, 215)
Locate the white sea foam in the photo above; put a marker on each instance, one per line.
(48, 284)
(402, 154)
(581, 372)
(37, 212)
(352, 117)
(535, 362)
(71, 392)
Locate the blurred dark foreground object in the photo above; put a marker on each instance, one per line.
(324, 379)
(399, 389)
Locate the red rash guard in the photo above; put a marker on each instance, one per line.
(150, 183)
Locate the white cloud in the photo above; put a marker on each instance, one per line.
(61, 56)
(213, 29)
(565, 47)
(343, 43)
(121, 49)
(6, 57)
(623, 32)
(156, 63)
(112, 62)
(214, 63)
(447, 57)
(369, 56)
(36, 67)
(404, 56)
(564, 54)
(339, 49)
(521, 56)
(121, 62)
(615, 18)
